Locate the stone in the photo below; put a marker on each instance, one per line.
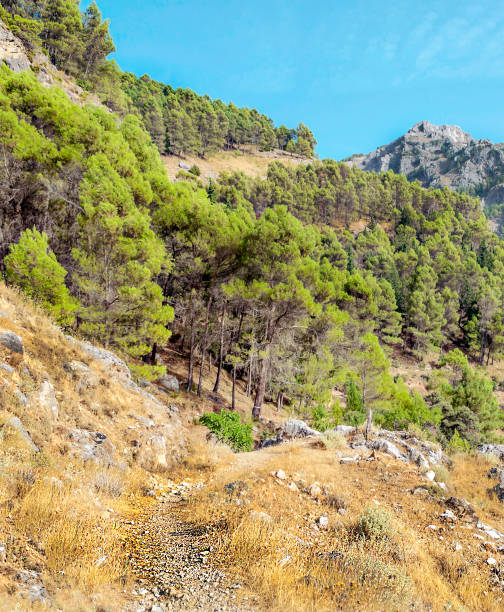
(442, 486)
(293, 487)
(342, 511)
(492, 449)
(13, 343)
(421, 492)
(7, 368)
(184, 165)
(169, 383)
(111, 362)
(145, 421)
(387, 447)
(21, 397)
(281, 475)
(299, 429)
(259, 515)
(415, 456)
(430, 475)
(323, 522)
(16, 424)
(345, 460)
(86, 378)
(448, 515)
(47, 399)
(491, 561)
(12, 51)
(344, 429)
(314, 490)
(92, 446)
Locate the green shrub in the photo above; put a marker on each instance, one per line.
(32, 266)
(194, 169)
(228, 428)
(375, 523)
(457, 444)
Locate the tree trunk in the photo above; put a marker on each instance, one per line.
(204, 346)
(191, 354)
(261, 390)
(221, 351)
(369, 423)
(249, 379)
(233, 405)
(279, 401)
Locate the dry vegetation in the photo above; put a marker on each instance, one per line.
(62, 518)
(246, 159)
(380, 553)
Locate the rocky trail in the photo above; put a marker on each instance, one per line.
(173, 561)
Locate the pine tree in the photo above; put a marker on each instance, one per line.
(32, 266)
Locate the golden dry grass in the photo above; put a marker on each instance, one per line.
(248, 160)
(295, 567)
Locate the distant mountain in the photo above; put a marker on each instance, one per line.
(442, 156)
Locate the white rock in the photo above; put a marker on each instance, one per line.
(293, 487)
(323, 522)
(430, 475)
(281, 475)
(448, 514)
(491, 561)
(48, 400)
(432, 527)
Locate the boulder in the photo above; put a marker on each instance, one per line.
(6, 368)
(47, 400)
(387, 447)
(16, 424)
(92, 446)
(492, 449)
(184, 165)
(169, 383)
(415, 456)
(344, 429)
(85, 377)
(299, 429)
(14, 344)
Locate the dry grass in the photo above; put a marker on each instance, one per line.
(295, 566)
(248, 160)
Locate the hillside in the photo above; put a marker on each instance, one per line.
(442, 156)
(249, 160)
(278, 389)
(95, 487)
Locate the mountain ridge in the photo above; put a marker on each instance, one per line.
(442, 156)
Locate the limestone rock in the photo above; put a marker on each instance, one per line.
(16, 424)
(440, 156)
(299, 429)
(12, 51)
(85, 377)
(92, 446)
(387, 447)
(14, 345)
(169, 383)
(47, 399)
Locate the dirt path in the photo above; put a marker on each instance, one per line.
(172, 561)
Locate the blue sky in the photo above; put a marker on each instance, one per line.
(359, 73)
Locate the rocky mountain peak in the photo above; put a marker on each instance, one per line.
(442, 156)
(452, 133)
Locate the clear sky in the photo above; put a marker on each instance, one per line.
(358, 73)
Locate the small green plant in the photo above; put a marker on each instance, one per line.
(194, 169)
(457, 444)
(226, 425)
(375, 523)
(146, 371)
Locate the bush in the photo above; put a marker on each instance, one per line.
(228, 428)
(457, 444)
(375, 523)
(32, 266)
(194, 169)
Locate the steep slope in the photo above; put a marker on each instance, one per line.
(442, 156)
